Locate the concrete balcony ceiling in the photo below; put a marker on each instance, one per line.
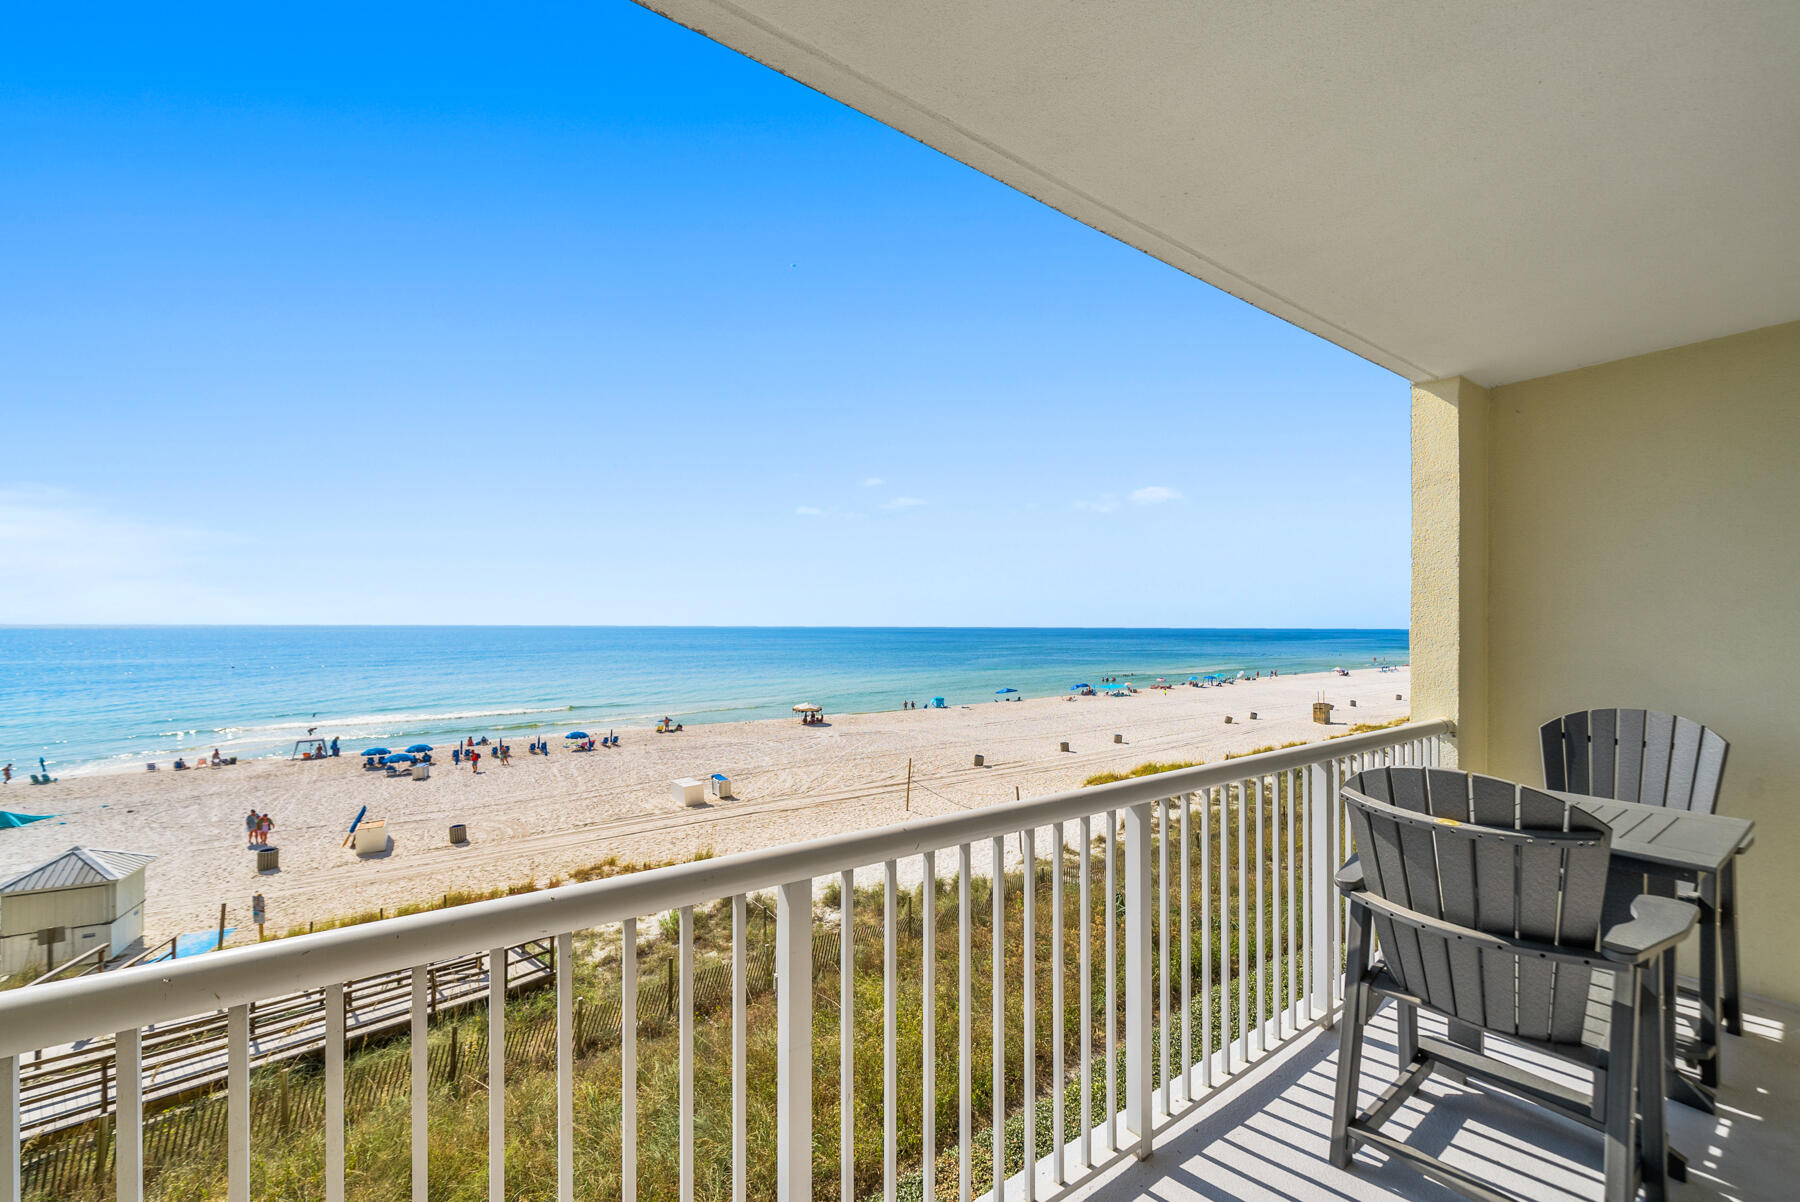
(1499, 191)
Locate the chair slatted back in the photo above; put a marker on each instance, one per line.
(1488, 856)
(1635, 755)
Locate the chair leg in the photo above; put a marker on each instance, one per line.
(1653, 1068)
(1350, 1038)
(1731, 1005)
(1710, 931)
(1621, 1089)
(1407, 1016)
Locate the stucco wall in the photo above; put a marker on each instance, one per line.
(1643, 532)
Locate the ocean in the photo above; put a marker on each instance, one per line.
(94, 699)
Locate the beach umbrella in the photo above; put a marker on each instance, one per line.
(1193, 678)
(997, 692)
(376, 751)
(8, 819)
(417, 747)
(576, 734)
(400, 757)
(806, 707)
(1083, 685)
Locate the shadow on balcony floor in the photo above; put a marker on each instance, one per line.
(1264, 1139)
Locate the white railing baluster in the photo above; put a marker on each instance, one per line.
(1087, 995)
(237, 1104)
(1058, 1028)
(1109, 914)
(497, 1075)
(794, 1058)
(565, 1067)
(927, 1028)
(1275, 1023)
(421, 1084)
(628, 1067)
(997, 1019)
(128, 1156)
(685, 1041)
(965, 1041)
(1225, 931)
(740, 1051)
(1139, 1122)
(1028, 1007)
(1244, 932)
(335, 1022)
(1292, 934)
(847, 1035)
(1187, 955)
(1260, 1032)
(890, 1034)
(1163, 960)
(9, 1130)
(1206, 939)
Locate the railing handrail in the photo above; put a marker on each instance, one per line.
(135, 997)
(62, 970)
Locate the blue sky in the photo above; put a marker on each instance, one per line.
(562, 313)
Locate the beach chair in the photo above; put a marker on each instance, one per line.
(1485, 900)
(1657, 760)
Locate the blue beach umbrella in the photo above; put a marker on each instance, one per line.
(1083, 685)
(376, 751)
(997, 692)
(1193, 678)
(416, 747)
(402, 758)
(576, 734)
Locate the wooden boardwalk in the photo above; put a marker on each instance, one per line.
(74, 1084)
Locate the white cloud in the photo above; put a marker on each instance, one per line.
(871, 481)
(1105, 504)
(811, 511)
(1154, 494)
(902, 503)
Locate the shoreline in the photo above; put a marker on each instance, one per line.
(542, 817)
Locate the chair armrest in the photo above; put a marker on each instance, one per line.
(1657, 924)
(1350, 877)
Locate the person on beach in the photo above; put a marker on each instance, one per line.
(250, 823)
(262, 831)
(334, 747)
(474, 761)
(6, 772)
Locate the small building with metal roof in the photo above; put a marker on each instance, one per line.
(71, 904)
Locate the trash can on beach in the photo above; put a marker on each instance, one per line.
(459, 833)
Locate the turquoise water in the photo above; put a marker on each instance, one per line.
(102, 698)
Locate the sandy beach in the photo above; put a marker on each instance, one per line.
(540, 817)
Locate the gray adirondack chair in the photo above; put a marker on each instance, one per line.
(1658, 760)
(1485, 900)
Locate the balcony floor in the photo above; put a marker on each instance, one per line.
(1263, 1139)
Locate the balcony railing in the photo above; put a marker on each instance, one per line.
(1192, 908)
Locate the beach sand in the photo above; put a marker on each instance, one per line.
(541, 817)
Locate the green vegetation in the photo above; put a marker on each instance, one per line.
(288, 1144)
(1365, 727)
(1150, 769)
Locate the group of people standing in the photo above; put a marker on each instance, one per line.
(257, 827)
